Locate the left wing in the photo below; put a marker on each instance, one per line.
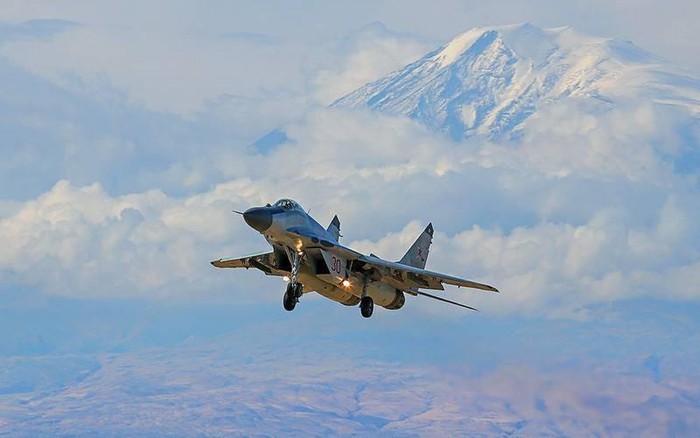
(408, 277)
(264, 261)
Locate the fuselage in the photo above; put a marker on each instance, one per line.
(288, 228)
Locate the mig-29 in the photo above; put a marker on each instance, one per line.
(311, 259)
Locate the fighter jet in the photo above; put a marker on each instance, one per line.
(311, 259)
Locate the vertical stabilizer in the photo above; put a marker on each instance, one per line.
(334, 228)
(417, 255)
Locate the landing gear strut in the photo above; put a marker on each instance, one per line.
(294, 288)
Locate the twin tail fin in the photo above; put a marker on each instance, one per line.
(334, 228)
(417, 254)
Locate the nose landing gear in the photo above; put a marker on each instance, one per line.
(291, 296)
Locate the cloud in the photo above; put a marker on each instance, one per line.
(562, 270)
(148, 64)
(635, 139)
(80, 241)
(555, 247)
(206, 68)
(85, 136)
(370, 53)
(570, 268)
(33, 29)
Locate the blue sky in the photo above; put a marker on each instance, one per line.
(126, 131)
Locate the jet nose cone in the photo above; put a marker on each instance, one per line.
(259, 218)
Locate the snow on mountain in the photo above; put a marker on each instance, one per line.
(489, 81)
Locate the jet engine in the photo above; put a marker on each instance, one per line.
(386, 296)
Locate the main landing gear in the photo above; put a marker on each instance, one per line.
(294, 288)
(366, 302)
(366, 306)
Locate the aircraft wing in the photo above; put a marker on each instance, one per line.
(408, 277)
(263, 261)
(402, 276)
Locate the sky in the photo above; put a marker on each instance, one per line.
(126, 131)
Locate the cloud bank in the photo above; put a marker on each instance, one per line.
(556, 233)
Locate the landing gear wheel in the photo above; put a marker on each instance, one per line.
(291, 296)
(366, 306)
(289, 302)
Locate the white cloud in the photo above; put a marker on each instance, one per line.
(665, 28)
(375, 51)
(634, 140)
(380, 174)
(149, 64)
(208, 69)
(80, 241)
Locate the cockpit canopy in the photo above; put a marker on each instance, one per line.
(287, 204)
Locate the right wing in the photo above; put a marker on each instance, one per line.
(409, 277)
(264, 261)
(402, 276)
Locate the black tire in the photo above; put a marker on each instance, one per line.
(366, 306)
(289, 301)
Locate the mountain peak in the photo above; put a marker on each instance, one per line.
(490, 80)
(452, 51)
(524, 39)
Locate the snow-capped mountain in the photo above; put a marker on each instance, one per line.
(490, 80)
